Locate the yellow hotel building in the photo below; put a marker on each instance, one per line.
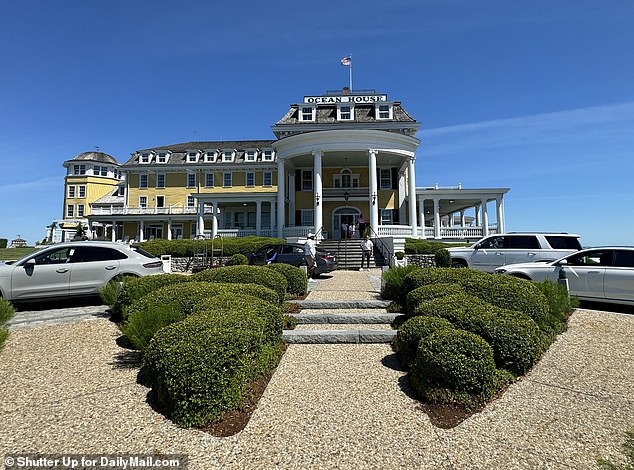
(335, 158)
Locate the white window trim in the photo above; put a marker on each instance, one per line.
(141, 198)
(254, 157)
(83, 210)
(389, 169)
(81, 191)
(339, 178)
(345, 105)
(74, 192)
(377, 112)
(192, 159)
(157, 180)
(312, 115)
(145, 158)
(156, 200)
(268, 158)
(211, 156)
(193, 201)
(264, 183)
(224, 185)
(246, 179)
(213, 179)
(160, 155)
(232, 158)
(147, 180)
(304, 215)
(187, 185)
(70, 210)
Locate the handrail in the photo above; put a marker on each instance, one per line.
(384, 248)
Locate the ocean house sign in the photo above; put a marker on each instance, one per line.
(344, 99)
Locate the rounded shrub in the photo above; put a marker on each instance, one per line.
(454, 366)
(295, 277)
(239, 259)
(132, 289)
(464, 311)
(245, 310)
(429, 292)
(143, 323)
(393, 283)
(246, 275)
(411, 332)
(199, 369)
(6, 313)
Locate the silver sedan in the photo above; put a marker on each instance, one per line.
(603, 274)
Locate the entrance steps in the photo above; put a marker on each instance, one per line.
(340, 321)
(348, 253)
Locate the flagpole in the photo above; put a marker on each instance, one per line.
(350, 73)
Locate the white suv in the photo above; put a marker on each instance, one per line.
(509, 248)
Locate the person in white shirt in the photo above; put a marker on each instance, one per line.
(366, 251)
(310, 251)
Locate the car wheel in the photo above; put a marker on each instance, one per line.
(458, 263)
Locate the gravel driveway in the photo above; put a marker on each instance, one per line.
(71, 389)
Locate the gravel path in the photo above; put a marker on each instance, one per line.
(70, 388)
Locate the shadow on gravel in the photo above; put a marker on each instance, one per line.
(391, 361)
(615, 308)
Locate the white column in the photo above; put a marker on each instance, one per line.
(477, 215)
(421, 217)
(272, 215)
(200, 222)
(411, 179)
(401, 196)
(214, 219)
(281, 179)
(462, 219)
(436, 218)
(374, 197)
(169, 229)
(499, 207)
(258, 217)
(291, 194)
(485, 218)
(113, 232)
(319, 195)
(141, 229)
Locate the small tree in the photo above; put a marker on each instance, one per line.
(80, 232)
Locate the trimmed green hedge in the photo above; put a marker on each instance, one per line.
(6, 313)
(3, 243)
(201, 367)
(454, 366)
(246, 274)
(185, 247)
(394, 283)
(416, 246)
(239, 259)
(295, 277)
(505, 292)
(429, 292)
(135, 288)
(412, 331)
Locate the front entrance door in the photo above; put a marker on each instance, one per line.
(345, 215)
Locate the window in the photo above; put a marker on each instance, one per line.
(144, 158)
(209, 180)
(192, 156)
(624, 258)
(250, 178)
(161, 157)
(386, 217)
(80, 210)
(142, 201)
(104, 171)
(96, 169)
(560, 242)
(268, 178)
(227, 155)
(70, 211)
(238, 218)
(386, 178)
(524, 242)
(79, 169)
(85, 254)
(82, 191)
(210, 156)
(346, 179)
(71, 192)
(307, 217)
(160, 201)
(160, 180)
(61, 255)
(143, 181)
(227, 179)
(190, 201)
(307, 180)
(250, 155)
(307, 113)
(345, 113)
(493, 242)
(384, 111)
(191, 180)
(121, 190)
(267, 155)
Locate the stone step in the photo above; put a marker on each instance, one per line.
(354, 318)
(341, 304)
(357, 336)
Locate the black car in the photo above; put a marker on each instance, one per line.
(293, 254)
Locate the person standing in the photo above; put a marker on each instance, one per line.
(361, 222)
(344, 230)
(310, 251)
(351, 229)
(366, 251)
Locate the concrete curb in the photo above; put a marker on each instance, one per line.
(341, 304)
(338, 336)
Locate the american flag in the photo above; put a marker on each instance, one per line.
(346, 61)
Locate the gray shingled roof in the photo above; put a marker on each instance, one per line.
(96, 157)
(327, 114)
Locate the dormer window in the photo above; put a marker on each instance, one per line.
(192, 156)
(79, 169)
(267, 155)
(307, 113)
(228, 155)
(145, 158)
(162, 157)
(345, 113)
(210, 156)
(383, 111)
(250, 155)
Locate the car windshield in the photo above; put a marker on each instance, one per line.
(143, 253)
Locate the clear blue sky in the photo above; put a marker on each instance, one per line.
(535, 95)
